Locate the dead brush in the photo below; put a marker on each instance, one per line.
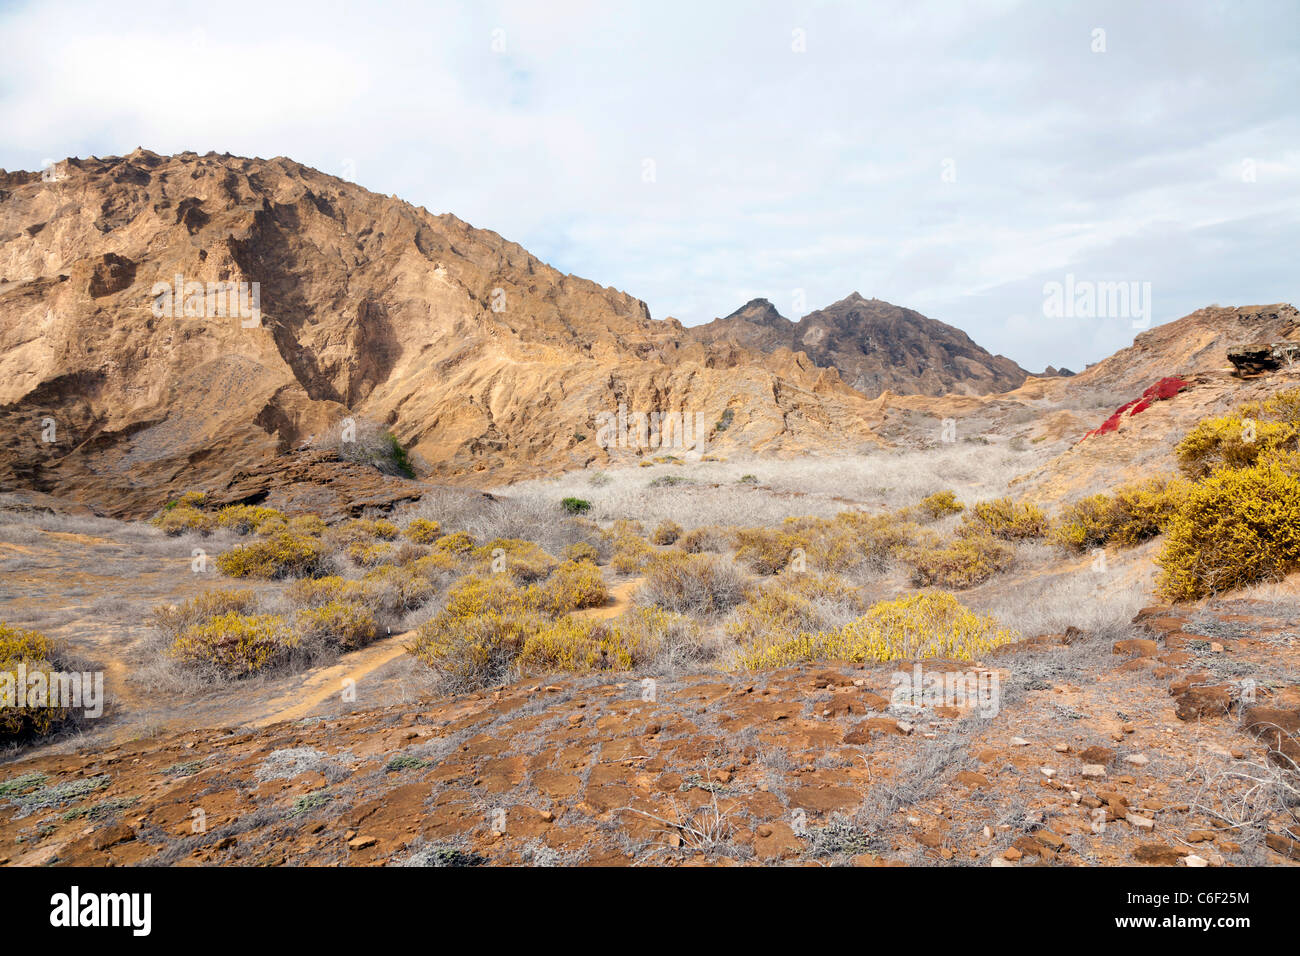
(1254, 797)
(705, 830)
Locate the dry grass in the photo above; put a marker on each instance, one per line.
(713, 493)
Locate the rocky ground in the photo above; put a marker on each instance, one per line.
(1158, 748)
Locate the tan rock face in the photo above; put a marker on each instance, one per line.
(485, 362)
(875, 346)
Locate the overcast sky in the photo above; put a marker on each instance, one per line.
(949, 157)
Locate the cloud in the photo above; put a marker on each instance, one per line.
(950, 157)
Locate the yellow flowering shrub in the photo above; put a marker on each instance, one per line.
(345, 625)
(667, 532)
(1237, 527)
(236, 644)
(458, 542)
(522, 560)
(39, 654)
(1008, 519)
(573, 585)
(1231, 441)
(423, 531)
(963, 562)
(926, 625)
(282, 555)
(368, 554)
(940, 505)
(1131, 515)
(171, 619)
(184, 518)
(246, 519)
(789, 606)
(478, 635)
(582, 551)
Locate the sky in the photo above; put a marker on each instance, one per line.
(956, 158)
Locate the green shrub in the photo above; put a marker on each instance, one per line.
(576, 506)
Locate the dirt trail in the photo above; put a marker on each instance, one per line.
(320, 685)
(620, 600)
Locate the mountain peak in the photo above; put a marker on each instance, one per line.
(874, 345)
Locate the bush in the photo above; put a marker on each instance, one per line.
(576, 506)
(1231, 442)
(940, 505)
(931, 624)
(369, 555)
(633, 640)
(39, 655)
(792, 605)
(476, 638)
(172, 619)
(245, 519)
(574, 585)
(1237, 527)
(703, 584)
(522, 560)
(1007, 519)
(571, 644)
(631, 551)
(458, 542)
(181, 519)
(316, 592)
(235, 644)
(283, 555)
(582, 551)
(423, 531)
(1133, 514)
(706, 538)
(666, 533)
(963, 562)
(338, 626)
(393, 590)
(311, 525)
(768, 550)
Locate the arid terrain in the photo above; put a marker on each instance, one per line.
(412, 570)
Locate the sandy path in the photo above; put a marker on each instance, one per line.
(323, 684)
(620, 600)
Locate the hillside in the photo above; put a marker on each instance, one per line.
(484, 362)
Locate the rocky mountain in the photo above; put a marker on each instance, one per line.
(169, 323)
(875, 346)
